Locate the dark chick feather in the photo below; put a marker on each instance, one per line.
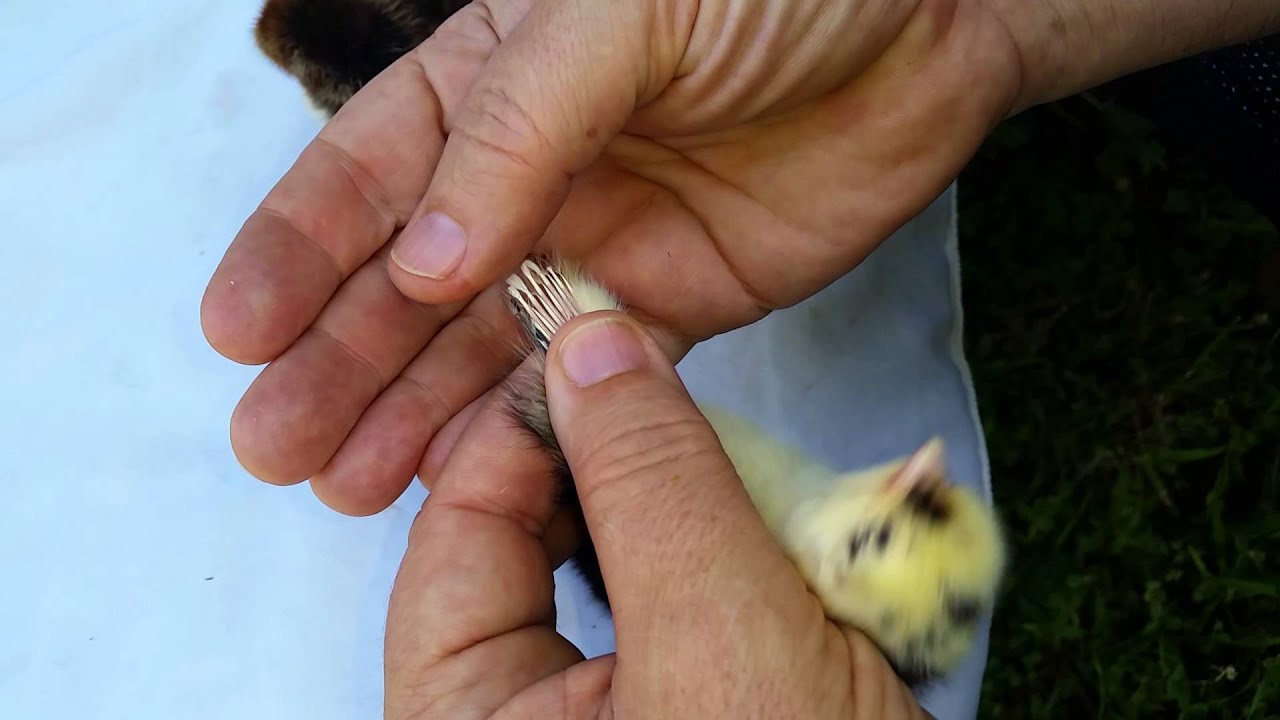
(334, 47)
(527, 400)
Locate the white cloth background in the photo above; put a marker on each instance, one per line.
(146, 575)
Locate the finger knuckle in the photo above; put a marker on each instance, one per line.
(482, 338)
(630, 458)
(497, 123)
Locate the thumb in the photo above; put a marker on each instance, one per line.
(682, 549)
(555, 91)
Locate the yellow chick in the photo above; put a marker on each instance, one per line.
(894, 550)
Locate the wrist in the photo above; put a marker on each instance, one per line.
(1067, 46)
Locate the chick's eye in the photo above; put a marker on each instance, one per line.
(857, 542)
(882, 537)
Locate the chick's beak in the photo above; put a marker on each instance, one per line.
(924, 472)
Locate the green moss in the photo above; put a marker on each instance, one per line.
(1128, 374)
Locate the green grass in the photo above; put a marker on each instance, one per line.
(1128, 372)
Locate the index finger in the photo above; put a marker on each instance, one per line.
(347, 194)
(341, 201)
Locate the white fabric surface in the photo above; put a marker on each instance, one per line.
(146, 574)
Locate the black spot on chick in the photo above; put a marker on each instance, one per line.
(962, 611)
(928, 505)
(857, 542)
(912, 661)
(915, 650)
(914, 673)
(882, 537)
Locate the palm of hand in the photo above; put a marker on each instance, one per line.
(709, 210)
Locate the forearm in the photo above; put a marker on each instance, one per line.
(1067, 46)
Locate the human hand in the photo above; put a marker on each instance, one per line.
(706, 164)
(711, 619)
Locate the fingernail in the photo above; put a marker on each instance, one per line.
(599, 350)
(431, 247)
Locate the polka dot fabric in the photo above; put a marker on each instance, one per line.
(1247, 77)
(1222, 107)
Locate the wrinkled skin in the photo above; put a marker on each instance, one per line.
(711, 619)
(671, 168)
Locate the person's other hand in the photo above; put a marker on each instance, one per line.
(711, 619)
(709, 160)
